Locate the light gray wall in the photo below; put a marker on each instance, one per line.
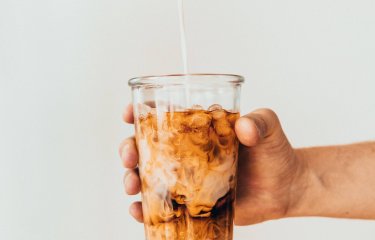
(63, 71)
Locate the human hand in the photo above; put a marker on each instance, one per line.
(270, 175)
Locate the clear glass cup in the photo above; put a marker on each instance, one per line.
(187, 154)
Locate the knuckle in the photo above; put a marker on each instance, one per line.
(267, 120)
(268, 112)
(271, 115)
(126, 176)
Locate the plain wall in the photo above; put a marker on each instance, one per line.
(64, 66)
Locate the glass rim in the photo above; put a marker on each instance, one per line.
(180, 79)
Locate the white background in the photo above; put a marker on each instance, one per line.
(64, 66)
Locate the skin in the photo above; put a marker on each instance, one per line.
(277, 181)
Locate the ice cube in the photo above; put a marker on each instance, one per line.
(215, 107)
(218, 114)
(199, 120)
(200, 138)
(223, 127)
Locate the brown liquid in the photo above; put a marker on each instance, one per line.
(188, 164)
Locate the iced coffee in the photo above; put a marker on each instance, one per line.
(188, 164)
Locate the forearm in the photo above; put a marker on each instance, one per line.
(339, 182)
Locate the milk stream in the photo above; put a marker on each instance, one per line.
(182, 35)
(183, 47)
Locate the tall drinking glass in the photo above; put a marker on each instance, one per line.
(187, 154)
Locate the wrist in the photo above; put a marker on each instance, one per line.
(304, 188)
(334, 182)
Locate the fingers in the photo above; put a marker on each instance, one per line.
(128, 114)
(129, 156)
(136, 211)
(257, 126)
(128, 153)
(132, 182)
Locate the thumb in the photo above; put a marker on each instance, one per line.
(257, 126)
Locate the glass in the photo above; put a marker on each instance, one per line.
(187, 154)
